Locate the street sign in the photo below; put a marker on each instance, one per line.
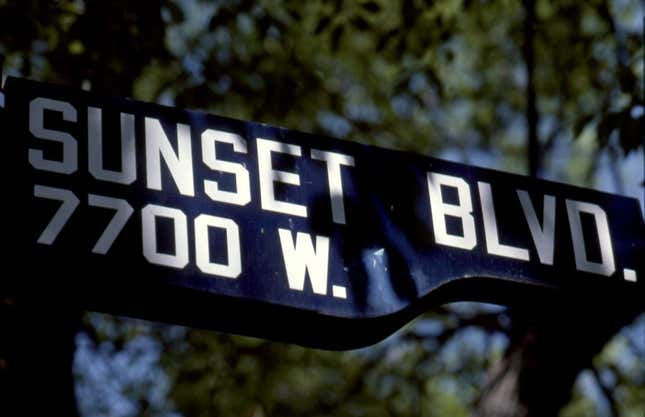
(181, 216)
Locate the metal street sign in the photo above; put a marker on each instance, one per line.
(182, 216)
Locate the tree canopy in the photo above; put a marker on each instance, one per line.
(446, 78)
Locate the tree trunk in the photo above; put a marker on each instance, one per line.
(549, 347)
(533, 149)
(551, 343)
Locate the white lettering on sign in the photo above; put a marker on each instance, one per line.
(177, 156)
(493, 245)
(542, 230)
(180, 164)
(459, 207)
(302, 258)
(233, 267)
(123, 211)
(462, 211)
(268, 176)
(606, 265)
(542, 233)
(242, 194)
(69, 163)
(69, 202)
(629, 275)
(168, 154)
(128, 172)
(149, 216)
(334, 162)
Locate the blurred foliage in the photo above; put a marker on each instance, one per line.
(439, 77)
(432, 368)
(435, 367)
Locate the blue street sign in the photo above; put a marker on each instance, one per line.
(175, 215)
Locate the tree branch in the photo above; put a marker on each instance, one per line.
(607, 393)
(531, 108)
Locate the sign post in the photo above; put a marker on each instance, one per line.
(37, 336)
(180, 216)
